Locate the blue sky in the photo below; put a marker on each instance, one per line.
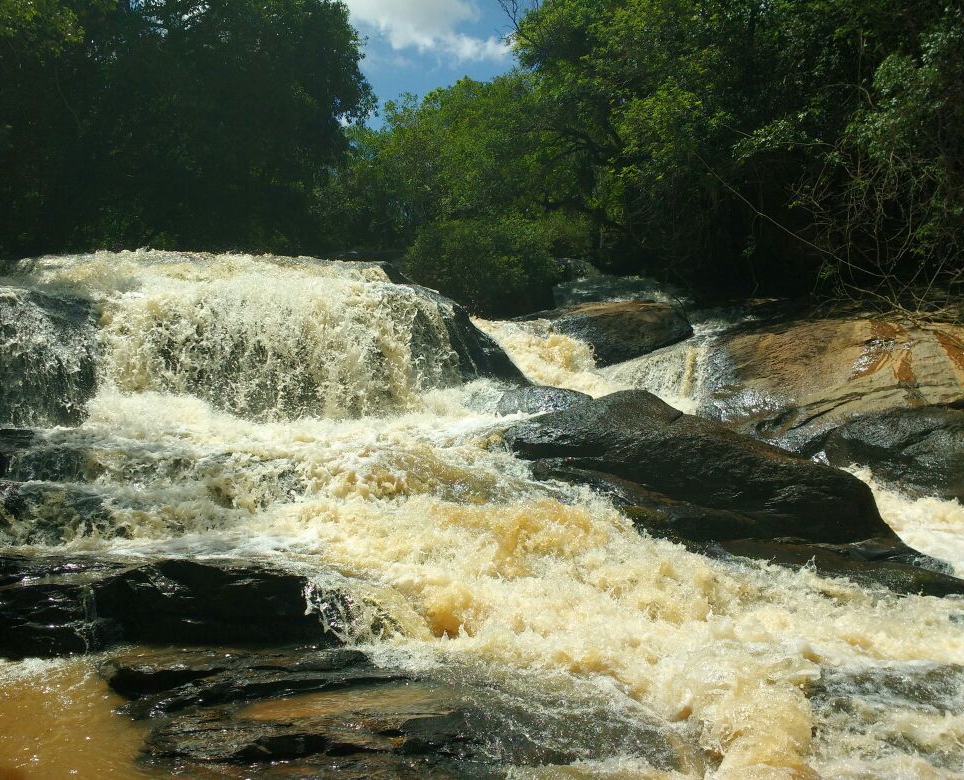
(418, 45)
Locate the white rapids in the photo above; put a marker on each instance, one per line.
(309, 415)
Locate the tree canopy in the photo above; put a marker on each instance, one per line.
(171, 122)
(736, 146)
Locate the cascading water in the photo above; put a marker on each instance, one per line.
(311, 416)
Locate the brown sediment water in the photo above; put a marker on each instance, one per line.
(371, 465)
(57, 720)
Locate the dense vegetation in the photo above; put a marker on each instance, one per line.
(173, 123)
(738, 146)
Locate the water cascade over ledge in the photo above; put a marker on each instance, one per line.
(318, 419)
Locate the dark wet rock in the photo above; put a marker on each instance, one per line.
(56, 608)
(143, 673)
(47, 619)
(49, 358)
(201, 603)
(636, 437)
(263, 706)
(919, 450)
(216, 735)
(209, 706)
(621, 330)
(651, 511)
(899, 568)
(479, 355)
(238, 677)
(538, 399)
(45, 513)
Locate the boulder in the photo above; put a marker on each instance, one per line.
(621, 330)
(54, 606)
(538, 399)
(762, 491)
(917, 450)
(478, 353)
(792, 382)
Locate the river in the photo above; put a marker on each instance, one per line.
(311, 416)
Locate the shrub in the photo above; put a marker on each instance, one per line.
(496, 267)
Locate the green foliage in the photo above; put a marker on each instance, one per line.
(494, 266)
(889, 199)
(190, 123)
(758, 146)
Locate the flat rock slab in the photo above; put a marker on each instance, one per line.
(55, 606)
(767, 492)
(214, 706)
(332, 712)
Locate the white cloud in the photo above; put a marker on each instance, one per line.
(428, 26)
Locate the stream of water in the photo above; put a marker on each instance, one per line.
(311, 415)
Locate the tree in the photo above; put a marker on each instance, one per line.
(730, 139)
(179, 123)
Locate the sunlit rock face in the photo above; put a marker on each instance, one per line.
(794, 382)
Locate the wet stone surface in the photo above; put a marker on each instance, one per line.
(305, 711)
(52, 605)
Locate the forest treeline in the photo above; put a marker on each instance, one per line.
(734, 146)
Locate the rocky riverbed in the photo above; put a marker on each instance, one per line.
(282, 517)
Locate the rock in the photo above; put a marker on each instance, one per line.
(44, 513)
(478, 354)
(199, 603)
(633, 435)
(258, 706)
(538, 399)
(621, 330)
(654, 512)
(792, 382)
(49, 358)
(328, 711)
(57, 606)
(163, 685)
(899, 569)
(886, 561)
(919, 450)
(52, 616)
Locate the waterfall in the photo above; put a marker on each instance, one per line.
(313, 416)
